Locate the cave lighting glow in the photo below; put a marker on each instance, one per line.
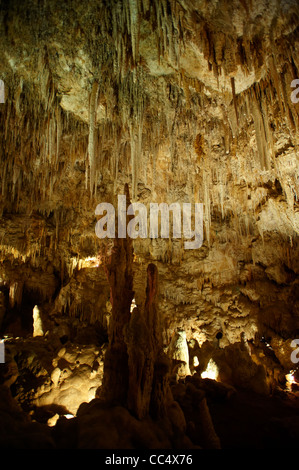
(290, 379)
(90, 262)
(195, 361)
(133, 305)
(211, 372)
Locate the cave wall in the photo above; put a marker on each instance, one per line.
(183, 101)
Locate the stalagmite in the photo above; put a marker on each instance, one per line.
(118, 268)
(37, 322)
(136, 368)
(179, 353)
(148, 367)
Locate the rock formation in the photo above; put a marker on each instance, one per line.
(178, 101)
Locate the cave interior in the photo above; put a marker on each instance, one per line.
(114, 335)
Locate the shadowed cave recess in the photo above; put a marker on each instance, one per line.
(138, 342)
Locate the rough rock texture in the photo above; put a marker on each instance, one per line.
(45, 377)
(183, 101)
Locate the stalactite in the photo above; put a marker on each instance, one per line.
(260, 133)
(235, 99)
(134, 27)
(92, 135)
(58, 130)
(268, 133)
(131, 98)
(134, 161)
(207, 204)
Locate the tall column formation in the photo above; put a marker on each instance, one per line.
(135, 367)
(118, 269)
(148, 365)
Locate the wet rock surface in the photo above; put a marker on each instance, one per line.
(178, 102)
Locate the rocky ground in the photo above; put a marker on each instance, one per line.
(50, 399)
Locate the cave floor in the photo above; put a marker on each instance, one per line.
(253, 421)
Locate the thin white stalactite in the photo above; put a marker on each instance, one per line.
(91, 136)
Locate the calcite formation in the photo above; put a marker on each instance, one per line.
(178, 101)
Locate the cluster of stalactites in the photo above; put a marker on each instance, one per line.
(33, 129)
(31, 143)
(225, 54)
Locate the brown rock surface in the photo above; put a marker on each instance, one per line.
(179, 101)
